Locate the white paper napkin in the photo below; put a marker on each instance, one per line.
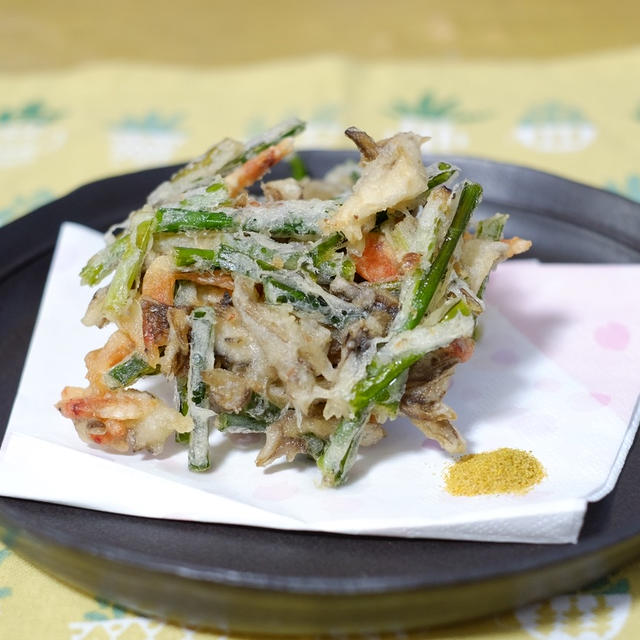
(517, 391)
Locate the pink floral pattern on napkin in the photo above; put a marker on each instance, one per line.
(582, 316)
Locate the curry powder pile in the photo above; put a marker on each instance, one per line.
(500, 471)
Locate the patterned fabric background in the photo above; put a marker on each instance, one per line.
(576, 117)
(61, 129)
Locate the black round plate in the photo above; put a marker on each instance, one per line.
(280, 582)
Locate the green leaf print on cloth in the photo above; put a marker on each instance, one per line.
(150, 122)
(105, 611)
(555, 127)
(5, 591)
(35, 112)
(24, 204)
(27, 132)
(629, 188)
(608, 585)
(430, 107)
(439, 118)
(145, 140)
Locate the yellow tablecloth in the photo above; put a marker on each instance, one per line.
(578, 117)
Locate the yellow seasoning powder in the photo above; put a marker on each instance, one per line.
(500, 471)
